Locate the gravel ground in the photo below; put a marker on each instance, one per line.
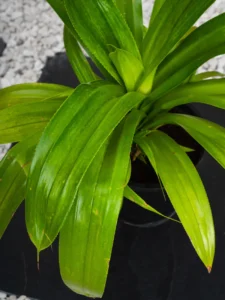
(33, 32)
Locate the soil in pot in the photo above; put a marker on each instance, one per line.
(145, 183)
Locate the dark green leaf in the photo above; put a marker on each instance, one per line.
(156, 8)
(87, 236)
(100, 24)
(185, 190)
(77, 59)
(75, 134)
(59, 8)
(132, 11)
(206, 75)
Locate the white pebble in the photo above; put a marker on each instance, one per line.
(3, 295)
(23, 298)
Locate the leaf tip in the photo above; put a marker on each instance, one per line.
(209, 269)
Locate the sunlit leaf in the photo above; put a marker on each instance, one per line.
(75, 134)
(208, 134)
(128, 66)
(185, 190)
(31, 92)
(86, 238)
(205, 42)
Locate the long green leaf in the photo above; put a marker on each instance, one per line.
(128, 66)
(59, 8)
(19, 121)
(31, 92)
(211, 92)
(13, 174)
(208, 134)
(156, 8)
(205, 42)
(173, 20)
(185, 190)
(135, 198)
(86, 238)
(75, 134)
(132, 11)
(100, 24)
(77, 59)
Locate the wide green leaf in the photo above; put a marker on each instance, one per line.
(173, 20)
(19, 121)
(211, 92)
(13, 175)
(75, 134)
(203, 43)
(31, 92)
(132, 12)
(97, 32)
(208, 134)
(185, 190)
(128, 66)
(77, 58)
(86, 238)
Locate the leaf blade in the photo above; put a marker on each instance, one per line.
(95, 105)
(97, 35)
(93, 224)
(31, 92)
(202, 44)
(185, 190)
(208, 134)
(13, 174)
(77, 59)
(173, 20)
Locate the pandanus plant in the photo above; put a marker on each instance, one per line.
(72, 160)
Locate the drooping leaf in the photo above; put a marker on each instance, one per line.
(13, 174)
(208, 134)
(97, 32)
(19, 121)
(77, 59)
(31, 92)
(75, 134)
(173, 20)
(132, 12)
(211, 92)
(185, 190)
(135, 198)
(87, 236)
(128, 66)
(205, 42)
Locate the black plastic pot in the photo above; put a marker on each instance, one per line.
(146, 184)
(147, 264)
